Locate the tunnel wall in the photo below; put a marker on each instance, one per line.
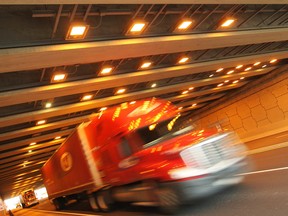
(261, 110)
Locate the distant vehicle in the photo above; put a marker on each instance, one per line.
(131, 153)
(28, 198)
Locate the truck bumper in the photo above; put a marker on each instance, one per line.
(209, 184)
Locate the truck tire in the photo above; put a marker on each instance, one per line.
(93, 202)
(169, 200)
(104, 200)
(59, 203)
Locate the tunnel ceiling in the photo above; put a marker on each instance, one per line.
(35, 45)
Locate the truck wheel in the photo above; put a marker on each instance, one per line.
(93, 203)
(59, 203)
(169, 201)
(104, 200)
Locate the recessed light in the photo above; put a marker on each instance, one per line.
(137, 27)
(185, 92)
(132, 102)
(230, 72)
(221, 84)
(228, 22)
(183, 60)
(264, 66)
(120, 91)
(193, 105)
(273, 60)
(226, 81)
(242, 78)
(40, 122)
(153, 85)
(191, 88)
(33, 143)
(145, 65)
(239, 66)
(87, 97)
(211, 75)
(219, 70)
(57, 137)
(256, 63)
(59, 77)
(103, 108)
(48, 105)
(77, 31)
(179, 108)
(106, 70)
(247, 69)
(30, 151)
(236, 81)
(184, 24)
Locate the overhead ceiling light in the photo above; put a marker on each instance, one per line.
(153, 85)
(239, 66)
(33, 143)
(57, 137)
(195, 104)
(242, 78)
(30, 151)
(77, 31)
(87, 97)
(211, 75)
(120, 91)
(219, 70)
(183, 60)
(226, 81)
(103, 108)
(48, 105)
(221, 84)
(145, 65)
(228, 22)
(230, 72)
(59, 76)
(273, 60)
(247, 69)
(236, 81)
(40, 122)
(191, 88)
(179, 108)
(184, 24)
(137, 27)
(264, 66)
(106, 70)
(185, 92)
(256, 63)
(132, 102)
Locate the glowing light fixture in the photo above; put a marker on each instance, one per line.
(146, 65)
(153, 85)
(226, 81)
(221, 84)
(219, 70)
(33, 143)
(256, 63)
(59, 77)
(264, 66)
(228, 22)
(273, 60)
(137, 27)
(40, 122)
(239, 66)
(103, 108)
(30, 151)
(87, 97)
(120, 91)
(48, 105)
(132, 102)
(242, 78)
(211, 75)
(77, 31)
(236, 81)
(247, 69)
(57, 137)
(179, 108)
(106, 70)
(191, 88)
(230, 72)
(184, 24)
(185, 92)
(193, 105)
(183, 60)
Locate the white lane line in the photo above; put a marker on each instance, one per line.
(263, 171)
(64, 213)
(268, 148)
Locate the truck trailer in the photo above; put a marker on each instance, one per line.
(133, 153)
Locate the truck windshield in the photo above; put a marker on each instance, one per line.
(153, 135)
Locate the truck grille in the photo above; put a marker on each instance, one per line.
(205, 155)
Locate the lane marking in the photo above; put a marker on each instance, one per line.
(268, 148)
(65, 213)
(264, 171)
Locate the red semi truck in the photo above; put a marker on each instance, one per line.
(28, 198)
(131, 153)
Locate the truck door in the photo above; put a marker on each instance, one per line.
(122, 168)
